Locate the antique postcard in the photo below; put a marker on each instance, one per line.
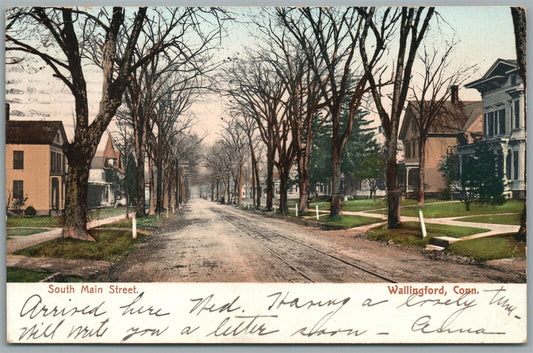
(266, 175)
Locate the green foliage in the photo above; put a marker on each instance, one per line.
(361, 157)
(130, 180)
(30, 211)
(490, 248)
(482, 176)
(449, 167)
(18, 204)
(15, 274)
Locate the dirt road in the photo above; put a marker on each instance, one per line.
(216, 243)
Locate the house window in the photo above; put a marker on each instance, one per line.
(502, 122)
(490, 120)
(58, 163)
(513, 80)
(18, 159)
(508, 166)
(407, 149)
(18, 189)
(515, 164)
(516, 114)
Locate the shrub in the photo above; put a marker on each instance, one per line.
(30, 211)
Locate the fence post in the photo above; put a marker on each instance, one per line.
(422, 224)
(134, 226)
(296, 209)
(317, 217)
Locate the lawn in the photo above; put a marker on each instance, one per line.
(15, 274)
(510, 219)
(409, 233)
(18, 232)
(349, 221)
(107, 212)
(366, 204)
(39, 221)
(145, 223)
(457, 209)
(110, 245)
(490, 248)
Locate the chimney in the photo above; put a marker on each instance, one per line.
(454, 91)
(7, 111)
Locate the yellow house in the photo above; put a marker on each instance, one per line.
(461, 122)
(35, 165)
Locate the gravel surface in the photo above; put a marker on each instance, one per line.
(208, 242)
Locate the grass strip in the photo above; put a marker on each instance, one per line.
(409, 233)
(111, 245)
(490, 248)
(509, 219)
(15, 274)
(20, 232)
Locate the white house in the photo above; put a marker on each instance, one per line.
(504, 127)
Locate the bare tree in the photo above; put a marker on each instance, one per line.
(412, 26)
(63, 36)
(329, 38)
(234, 138)
(439, 83)
(255, 88)
(249, 126)
(303, 100)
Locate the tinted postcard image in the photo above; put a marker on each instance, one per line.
(266, 175)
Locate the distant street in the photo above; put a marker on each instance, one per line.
(219, 243)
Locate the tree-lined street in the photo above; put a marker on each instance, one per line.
(209, 242)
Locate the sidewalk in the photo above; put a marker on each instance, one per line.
(492, 229)
(16, 243)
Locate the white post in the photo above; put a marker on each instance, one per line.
(167, 212)
(296, 209)
(173, 209)
(317, 217)
(134, 226)
(422, 225)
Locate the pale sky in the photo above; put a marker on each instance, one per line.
(484, 34)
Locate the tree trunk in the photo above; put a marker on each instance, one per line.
(283, 179)
(152, 191)
(270, 184)
(240, 187)
(159, 177)
(421, 170)
(336, 201)
(393, 194)
(303, 183)
(258, 186)
(140, 153)
(75, 217)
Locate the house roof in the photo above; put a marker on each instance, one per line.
(33, 132)
(455, 117)
(495, 76)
